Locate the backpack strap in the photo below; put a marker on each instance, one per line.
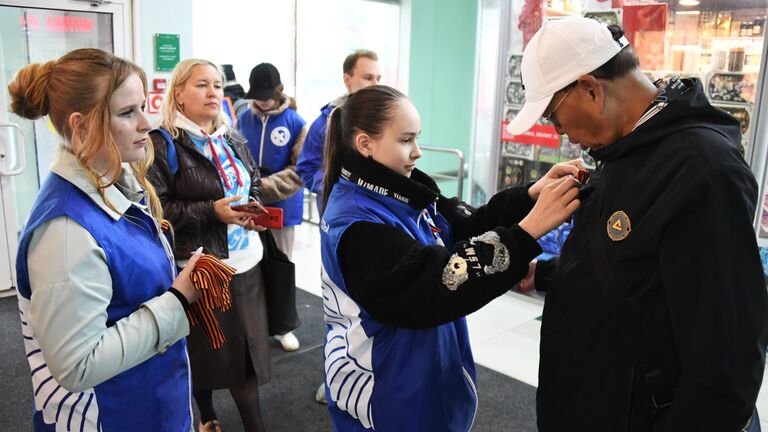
(173, 160)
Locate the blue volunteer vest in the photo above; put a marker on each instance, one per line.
(152, 396)
(381, 377)
(272, 148)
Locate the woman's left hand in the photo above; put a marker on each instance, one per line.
(562, 169)
(249, 224)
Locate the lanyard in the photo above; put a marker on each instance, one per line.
(218, 163)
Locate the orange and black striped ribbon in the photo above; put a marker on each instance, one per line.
(211, 277)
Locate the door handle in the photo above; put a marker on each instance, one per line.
(22, 163)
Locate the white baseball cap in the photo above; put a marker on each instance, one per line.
(557, 55)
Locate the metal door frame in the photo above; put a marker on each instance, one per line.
(758, 140)
(123, 43)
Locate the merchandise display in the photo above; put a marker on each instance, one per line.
(512, 171)
(731, 87)
(515, 94)
(513, 67)
(720, 44)
(520, 151)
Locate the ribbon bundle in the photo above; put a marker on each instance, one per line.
(211, 277)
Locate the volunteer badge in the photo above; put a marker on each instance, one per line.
(619, 226)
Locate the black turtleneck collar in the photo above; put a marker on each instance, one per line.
(418, 191)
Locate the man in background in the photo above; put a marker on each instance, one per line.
(361, 69)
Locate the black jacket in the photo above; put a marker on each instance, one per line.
(690, 268)
(187, 197)
(400, 280)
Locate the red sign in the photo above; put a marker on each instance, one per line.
(154, 102)
(645, 26)
(542, 135)
(56, 23)
(159, 84)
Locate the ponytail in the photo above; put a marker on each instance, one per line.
(367, 110)
(334, 151)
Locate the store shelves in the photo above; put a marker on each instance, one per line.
(755, 38)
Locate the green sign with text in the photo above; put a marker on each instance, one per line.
(167, 53)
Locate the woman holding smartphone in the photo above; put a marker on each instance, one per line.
(199, 176)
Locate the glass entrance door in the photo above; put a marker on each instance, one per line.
(32, 32)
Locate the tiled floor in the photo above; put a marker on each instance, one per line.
(504, 334)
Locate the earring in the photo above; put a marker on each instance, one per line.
(370, 156)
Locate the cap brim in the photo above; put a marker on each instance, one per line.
(262, 95)
(528, 115)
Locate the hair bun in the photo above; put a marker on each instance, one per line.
(29, 90)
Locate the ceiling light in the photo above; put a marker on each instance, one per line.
(688, 2)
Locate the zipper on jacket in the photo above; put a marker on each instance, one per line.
(264, 121)
(474, 390)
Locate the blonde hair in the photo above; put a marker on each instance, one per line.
(171, 106)
(82, 81)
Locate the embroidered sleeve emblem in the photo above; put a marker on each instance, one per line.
(482, 256)
(455, 273)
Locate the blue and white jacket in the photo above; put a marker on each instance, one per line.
(397, 355)
(275, 139)
(103, 336)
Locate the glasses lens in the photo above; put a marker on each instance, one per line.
(550, 118)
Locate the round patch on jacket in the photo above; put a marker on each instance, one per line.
(619, 226)
(280, 136)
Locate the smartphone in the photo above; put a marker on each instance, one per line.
(252, 207)
(273, 218)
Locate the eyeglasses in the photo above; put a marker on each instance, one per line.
(550, 117)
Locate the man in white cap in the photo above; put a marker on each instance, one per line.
(656, 317)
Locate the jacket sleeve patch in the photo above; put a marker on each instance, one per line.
(481, 256)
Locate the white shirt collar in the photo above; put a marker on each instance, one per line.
(126, 192)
